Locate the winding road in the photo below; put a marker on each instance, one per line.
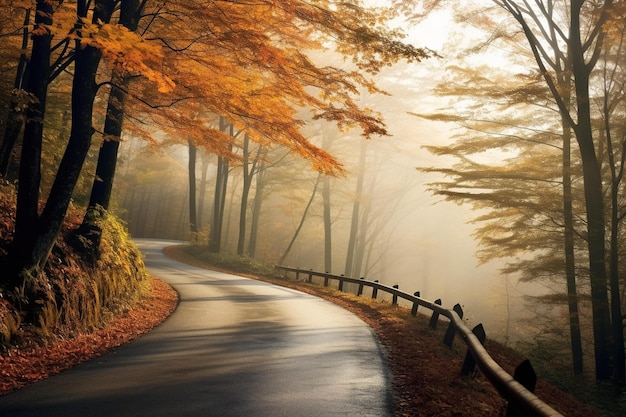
(233, 347)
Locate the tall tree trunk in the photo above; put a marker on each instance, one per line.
(362, 242)
(228, 214)
(570, 262)
(354, 226)
(594, 202)
(215, 235)
(619, 360)
(328, 250)
(219, 202)
(256, 208)
(299, 228)
(617, 172)
(584, 57)
(107, 157)
(193, 218)
(84, 89)
(90, 230)
(248, 174)
(14, 122)
(202, 185)
(26, 214)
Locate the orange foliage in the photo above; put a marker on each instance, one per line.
(248, 63)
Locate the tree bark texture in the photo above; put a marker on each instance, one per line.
(26, 215)
(593, 199)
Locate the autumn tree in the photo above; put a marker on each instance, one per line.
(219, 199)
(34, 250)
(261, 76)
(262, 189)
(584, 42)
(509, 125)
(90, 231)
(250, 165)
(565, 42)
(29, 172)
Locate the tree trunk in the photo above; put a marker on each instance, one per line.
(328, 250)
(193, 219)
(26, 215)
(248, 174)
(354, 226)
(107, 157)
(203, 185)
(361, 242)
(619, 366)
(14, 122)
(570, 264)
(84, 89)
(592, 176)
(256, 209)
(297, 232)
(593, 200)
(219, 202)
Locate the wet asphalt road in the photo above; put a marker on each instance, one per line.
(233, 347)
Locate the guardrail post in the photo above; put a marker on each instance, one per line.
(310, 275)
(374, 291)
(435, 317)
(525, 375)
(297, 274)
(415, 304)
(469, 364)
(360, 291)
(394, 299)
(449, 336)
(326, 279)
(341, 284)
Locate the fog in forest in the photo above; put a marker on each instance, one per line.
(415, 239)
(424, 244)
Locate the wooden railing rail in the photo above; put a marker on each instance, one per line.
(517, 389)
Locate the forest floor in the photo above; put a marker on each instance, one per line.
(425, 373)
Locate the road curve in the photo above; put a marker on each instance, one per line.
(234, 347)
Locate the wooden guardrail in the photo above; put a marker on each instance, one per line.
(517, 389)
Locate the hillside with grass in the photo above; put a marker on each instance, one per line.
(73, 296)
